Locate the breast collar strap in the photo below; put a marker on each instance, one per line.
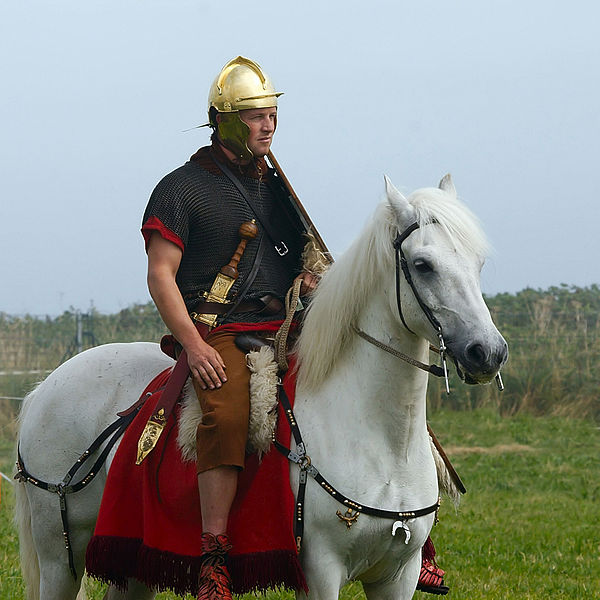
(354, 509)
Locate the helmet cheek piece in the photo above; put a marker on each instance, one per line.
(233, 133)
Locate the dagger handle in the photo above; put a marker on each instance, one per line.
(247, 231)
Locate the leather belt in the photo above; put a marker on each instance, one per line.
(267, 305)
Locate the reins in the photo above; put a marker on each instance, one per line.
(433, 369)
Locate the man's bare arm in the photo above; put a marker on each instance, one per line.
(205, 362)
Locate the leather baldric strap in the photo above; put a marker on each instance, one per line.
(279, 245)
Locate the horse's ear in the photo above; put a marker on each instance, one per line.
(447, 184)
(403, 210)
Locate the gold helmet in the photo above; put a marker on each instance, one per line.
(241, 85)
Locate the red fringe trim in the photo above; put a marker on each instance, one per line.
(114, 560)
(263, 570)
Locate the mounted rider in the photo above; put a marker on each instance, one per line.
(191, 229)
(192, 226)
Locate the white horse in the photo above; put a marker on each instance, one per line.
(361, 410)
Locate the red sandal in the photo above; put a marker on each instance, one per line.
(214, 582)
(431, 579)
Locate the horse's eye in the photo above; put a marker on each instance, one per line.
(422, 266)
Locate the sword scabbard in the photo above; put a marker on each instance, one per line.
(149, 438)
(229, 273)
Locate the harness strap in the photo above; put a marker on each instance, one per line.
(300, 458)
(398, 247)
(116, 429)
(403, 263)
(433, 369)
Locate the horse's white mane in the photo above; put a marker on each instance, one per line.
(345, 288)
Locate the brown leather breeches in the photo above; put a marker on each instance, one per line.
(222, 434)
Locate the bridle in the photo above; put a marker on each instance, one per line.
(402, 265)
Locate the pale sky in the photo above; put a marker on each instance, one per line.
(96, 96)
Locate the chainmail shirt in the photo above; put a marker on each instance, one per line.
(204, 210)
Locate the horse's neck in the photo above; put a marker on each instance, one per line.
(372, 393)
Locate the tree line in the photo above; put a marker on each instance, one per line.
(553, 337)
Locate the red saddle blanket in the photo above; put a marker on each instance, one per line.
(149, 525)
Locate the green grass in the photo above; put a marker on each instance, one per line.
(526, 529)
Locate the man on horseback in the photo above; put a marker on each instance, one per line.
(191, 230)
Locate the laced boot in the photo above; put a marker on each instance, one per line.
(214, 582)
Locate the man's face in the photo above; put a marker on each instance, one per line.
(262, 123)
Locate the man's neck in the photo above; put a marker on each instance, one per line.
(256, 167)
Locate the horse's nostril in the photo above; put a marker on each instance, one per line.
(476, 354)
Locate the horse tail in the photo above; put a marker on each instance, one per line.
(445, 481)
(30, 566)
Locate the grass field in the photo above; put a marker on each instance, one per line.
(528, 528)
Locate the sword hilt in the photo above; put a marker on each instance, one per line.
(247, 231)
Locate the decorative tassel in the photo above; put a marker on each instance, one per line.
(429, 550)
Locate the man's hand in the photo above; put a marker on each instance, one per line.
(206, 365)
(309, 283)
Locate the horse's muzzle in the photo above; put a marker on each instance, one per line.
(479, 363)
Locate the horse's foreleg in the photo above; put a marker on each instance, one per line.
(323, 568)
(402, 588)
